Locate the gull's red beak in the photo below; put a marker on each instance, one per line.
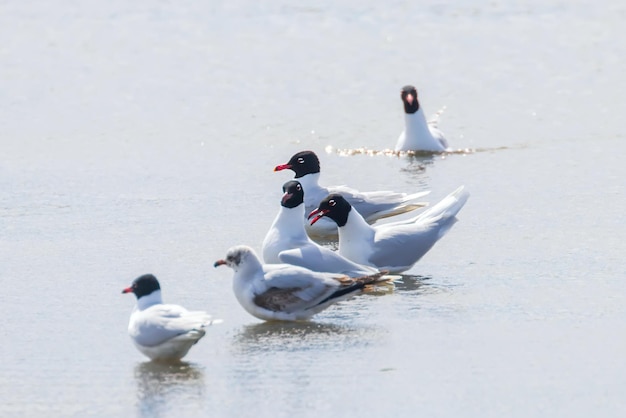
(318, 213)
(128, 290)
(282, 167)
(409, 98)
(286, 197)
(219, 263)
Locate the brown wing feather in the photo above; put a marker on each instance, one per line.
(275, 299)
(373, 278)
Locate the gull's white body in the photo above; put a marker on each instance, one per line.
(164, 331)
(287, 242)
(418, 135)
(397, 246)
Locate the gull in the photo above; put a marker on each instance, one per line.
(285, 292)
(418, 135)
(395, 246)
(287, 240)
(372, 205)
(163, 332)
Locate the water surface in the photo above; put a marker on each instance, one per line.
(141, 138)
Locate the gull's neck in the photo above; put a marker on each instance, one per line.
(290, 222)
(416, 126)
(249, 268)
(310, 182)
(146, 301)
(354, 231)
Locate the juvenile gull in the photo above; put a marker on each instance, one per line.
(285, 292)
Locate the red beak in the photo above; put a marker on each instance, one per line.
(287, 196)
(320, 214)
(282, 167)
(219, 263)
(409, 98)
(128, 290)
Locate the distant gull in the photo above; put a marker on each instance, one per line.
(395, 246)
(163, 332)
(285, 292)
(418, 135)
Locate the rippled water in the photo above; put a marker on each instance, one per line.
(140, 137)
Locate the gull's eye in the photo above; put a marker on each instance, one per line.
(332, 202)
(300, 160)
(298, 187)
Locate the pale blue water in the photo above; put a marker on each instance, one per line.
(141, 138)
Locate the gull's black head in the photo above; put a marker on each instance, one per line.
(408, 94)
(335, 207)
(302, 163)
(293, 194)
(143, 285)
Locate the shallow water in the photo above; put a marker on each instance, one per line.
(141, 138)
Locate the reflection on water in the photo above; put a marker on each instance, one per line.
(412, 283)
(297, 336)
(426, 155)
(160, 383)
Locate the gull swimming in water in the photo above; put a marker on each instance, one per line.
(395, 246)
(163, 332)
(371, 205)
(285, 292)
(418, 135)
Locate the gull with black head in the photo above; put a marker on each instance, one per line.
(287, 240)
(418, 135)
(163, 332)
(371, 205)
(395, 246)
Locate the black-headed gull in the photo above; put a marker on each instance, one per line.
(161, 331)
(371, 205)
(286, 292)
(395, 246)
(287, 240)
(418, 135)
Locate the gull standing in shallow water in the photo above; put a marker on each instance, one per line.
(163, 332)
(371, 205)
(287, 240)
(395, 246)
(418, 135)
(285, 292)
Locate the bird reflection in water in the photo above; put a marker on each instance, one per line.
(158, 384)
(301, 335)
(412, 283)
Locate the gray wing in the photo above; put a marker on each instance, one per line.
(380, 203)
(282, 300)
(318, 258)
(306, 284)
(403, 246)
(160, 323)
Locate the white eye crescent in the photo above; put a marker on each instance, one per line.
(331, 203)
(300, 160)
